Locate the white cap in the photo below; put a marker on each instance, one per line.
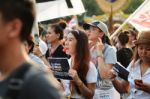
(102, 26)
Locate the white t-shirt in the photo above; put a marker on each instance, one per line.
(104, 87)
(135, 73)
(91, 77)
(43, 46)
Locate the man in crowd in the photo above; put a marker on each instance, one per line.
(20, 79)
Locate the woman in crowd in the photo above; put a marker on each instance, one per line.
(54, 37)
(82, 71)
(139, 68)
(132, 34)
(104, 57)
(35, 54)
(124, 54)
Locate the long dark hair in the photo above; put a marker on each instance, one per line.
(105, 39)
(82, 56)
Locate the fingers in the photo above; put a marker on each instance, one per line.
(111, 74)
(73, 74)
(100, 45)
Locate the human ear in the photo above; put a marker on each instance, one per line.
(15, 27)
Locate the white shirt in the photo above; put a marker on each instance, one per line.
(135, 73)
(38, 61)
(91, 77)
(43, 46)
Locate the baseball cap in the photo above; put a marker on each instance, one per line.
(99, 24)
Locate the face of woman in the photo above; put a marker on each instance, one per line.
(87, 32)
(94, 33)
(131, 37)
(51, 35)
(70, 44)
(144, 52)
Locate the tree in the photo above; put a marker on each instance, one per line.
(133, 6)
(92, 8)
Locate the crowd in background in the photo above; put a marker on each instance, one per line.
(90, 53)
(102, 53)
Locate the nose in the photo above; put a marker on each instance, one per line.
(144, 51)
(66, 43)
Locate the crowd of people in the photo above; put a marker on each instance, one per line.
(25, 71)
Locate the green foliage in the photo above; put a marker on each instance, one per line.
(133, 6)
(92, 8)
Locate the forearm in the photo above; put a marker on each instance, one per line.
(103, 68)
(146, 88)
(85, 91)
(121, 86)
(45, 61)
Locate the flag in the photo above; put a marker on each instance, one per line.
(73, 23)
(141, 20)
(50, 9)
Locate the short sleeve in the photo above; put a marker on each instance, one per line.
(92, 74)
(110, 56)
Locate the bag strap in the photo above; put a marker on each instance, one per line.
(16, 82)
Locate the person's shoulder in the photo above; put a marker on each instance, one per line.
(126, 51)
(109, 47)
(92, 67)
(60, 47)
(40, 84)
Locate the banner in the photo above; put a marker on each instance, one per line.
(50, 9)
(141, 20)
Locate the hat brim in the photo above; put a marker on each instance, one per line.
(88, 25)
(142, 41)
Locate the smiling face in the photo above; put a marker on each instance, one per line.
(70, 44)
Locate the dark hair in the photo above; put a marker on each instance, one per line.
(58, 30)
(63, 24)
(82, 56)
(132, 32)
(40, 30)
(19, 9)
(31, 44)
(123, 38)
(105, 39)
